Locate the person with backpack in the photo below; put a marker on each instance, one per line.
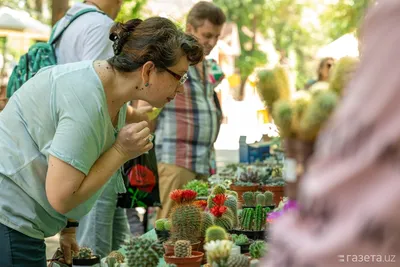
(63, 136)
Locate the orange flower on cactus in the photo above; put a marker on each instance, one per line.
(176, 195)
(201, 204)
(218, 211)
(188, 195)
(219, 199)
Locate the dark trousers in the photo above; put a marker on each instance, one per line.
(19, 250)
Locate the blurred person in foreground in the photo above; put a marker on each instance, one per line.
(349, 204)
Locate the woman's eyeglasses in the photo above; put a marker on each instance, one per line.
(182, 79)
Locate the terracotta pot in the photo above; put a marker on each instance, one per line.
(239, 189)
(194, 261)
(169, 248)
(277, 190)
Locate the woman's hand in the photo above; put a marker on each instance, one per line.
(68, 244)
(133, 140)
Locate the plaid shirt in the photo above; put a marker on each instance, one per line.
(187, 127)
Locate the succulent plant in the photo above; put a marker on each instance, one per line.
(83, 253)
(218, 251)
(249, 176)
(167, 225)
(317, 113)
(282, 114)
(200, 187)
(207, 221)
(232, 193)
(232, 203)
(218, 189)
(260, 199)
(238, 260)
(118, 256)
(159, 224)
(249, 199)
(258, 249)
(185, 217)
(182, 249)
(240, 239)
(269, 198)
(143, 252)
(216, 233)
(342, 73)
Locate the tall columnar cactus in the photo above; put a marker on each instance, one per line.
(258, 249)
(182, 249)
(282, 114)
(247, 222)
(300, 105)
(142, 252)
(267, 87)
(84, 253)
(208, 220)
(218, 189)
(238, 260)
(249, 199)
(317, 113)
(269, 198)
(232, 203)
(215, 232)
(260, 199)
(259, 218)
(185, 217)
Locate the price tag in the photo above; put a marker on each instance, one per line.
(290, 170)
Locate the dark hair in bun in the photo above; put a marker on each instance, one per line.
(155, 39)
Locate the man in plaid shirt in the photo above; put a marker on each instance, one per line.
(188, 126)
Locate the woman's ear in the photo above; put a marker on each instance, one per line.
(147, 68)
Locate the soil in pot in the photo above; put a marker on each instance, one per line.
(95, 262)
(193, 261)
(239, 189)
(162, 236)
(169, 247)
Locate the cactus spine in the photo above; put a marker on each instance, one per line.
(219, 189)
(142, 252)
(168, 225)
(248, 219)
(84, 253)
(238, 260)
(269, 198)
(232, 193)
(159, 224)
(282, 114)
(226, 220)
(258, 249)
(182, 249)
(215, 232)
(259, 220)
(119, 258)
(260, 200)
(207, 221)
(232, 203)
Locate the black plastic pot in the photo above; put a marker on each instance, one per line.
(162, 235)
(246, 247)
(271, 207)
(253, 235)
(95, 261)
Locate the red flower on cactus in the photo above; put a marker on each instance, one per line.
(219, 199)
(201, 203)
(188, 195)
(176, 195)
(218, 211)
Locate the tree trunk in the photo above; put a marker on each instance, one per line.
(59, 7)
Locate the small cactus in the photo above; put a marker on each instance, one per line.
(143, 252)
(260, 199)
(208, 221)
(269, 198)
(215, 232)
(182, 249)
(167, 225)
(240, 239)
(232, 193)
(84, 253)
(159, 224)
(282, 114)
(219, 189)
(232, 203)
(249, 199)
(120, 258)
(258, 249)
(238, 260)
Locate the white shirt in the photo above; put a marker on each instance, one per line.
(87, 38)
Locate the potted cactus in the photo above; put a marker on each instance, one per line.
(183, 256)
(248, 180)
(215, 232)
(85, 257)
(253, 222)
(162, 227)
(252, 199)
(242, 241)
(223, 216)
(258, 249)
(114, 259)
(186, 220)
